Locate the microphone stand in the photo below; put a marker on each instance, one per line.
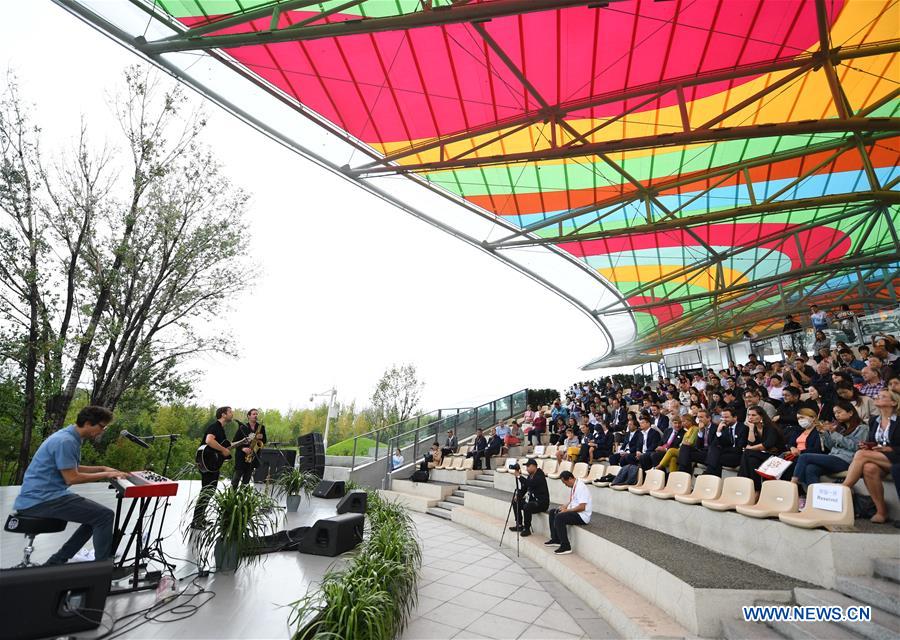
(156, 546)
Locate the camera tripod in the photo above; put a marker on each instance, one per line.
(509, 513)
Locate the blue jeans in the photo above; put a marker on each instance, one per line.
(95, 519)
(810, 466)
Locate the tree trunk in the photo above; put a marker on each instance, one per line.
(31, 359)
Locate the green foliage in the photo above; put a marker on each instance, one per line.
(345, 447)
(397, 394)
(540, 397)
(237, 518)
(293, 482)
(373, 596)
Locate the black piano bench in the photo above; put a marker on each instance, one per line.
(31, 526)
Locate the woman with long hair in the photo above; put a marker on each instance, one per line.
(823, 408)
(880, 450)
(864, 405)
(764, 439)
(841, 437)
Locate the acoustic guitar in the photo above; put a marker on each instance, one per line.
(209, 460)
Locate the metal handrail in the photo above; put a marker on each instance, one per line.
(374, 433)
(509, 406)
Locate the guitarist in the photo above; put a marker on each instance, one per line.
(213, 436)
(243, 470)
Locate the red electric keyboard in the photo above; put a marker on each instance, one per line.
(144, 484)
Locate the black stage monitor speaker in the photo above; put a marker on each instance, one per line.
(334, 536)
(330, 489)
(54, 600)
(354, 502)
(272, 461)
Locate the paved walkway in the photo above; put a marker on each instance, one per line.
(471, 589)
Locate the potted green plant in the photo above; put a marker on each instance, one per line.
(237, 519)
(292, 483)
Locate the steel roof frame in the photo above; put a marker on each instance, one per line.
(863, 130)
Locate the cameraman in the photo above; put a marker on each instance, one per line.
(534, 485)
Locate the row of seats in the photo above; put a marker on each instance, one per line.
(778, 498)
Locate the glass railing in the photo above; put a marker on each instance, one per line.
(415, 443)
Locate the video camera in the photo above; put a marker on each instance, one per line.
(514, 467)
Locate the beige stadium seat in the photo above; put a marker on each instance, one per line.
(678, 484)
(504, 468)
(811, 517)
(706, 487)
(777, 496)
(565, 465)
(538, 451)
(735, 491)
(580, 470)
(625, 487)
(598, 470)
(446, 462)
(610, 470)
(466, 463)
(550, 451)
(653, 481)
(549, 466)
(463, 450)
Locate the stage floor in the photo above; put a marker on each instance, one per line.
(468, 587)
(253, 603)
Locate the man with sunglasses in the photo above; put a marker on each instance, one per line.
(55, 466)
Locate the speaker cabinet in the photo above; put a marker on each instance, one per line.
(354, 502)
(54, 600)
(334, 536)
(330, 489)
(272, 462)
(310, 438)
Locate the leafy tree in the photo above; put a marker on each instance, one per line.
(397, 394)
(107, 279)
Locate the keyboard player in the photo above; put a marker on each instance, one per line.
(54, 468)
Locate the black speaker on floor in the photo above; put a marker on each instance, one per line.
(54, 600)
(330, 489)
(272, 462)
(333, 536)
(354, 502)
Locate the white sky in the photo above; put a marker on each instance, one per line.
(350, 284)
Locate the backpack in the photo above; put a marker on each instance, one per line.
(627, 475)
(863, 507)
(420, 475)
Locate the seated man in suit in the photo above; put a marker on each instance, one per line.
(492, 448)
(452, 445)
(649, 441)
(478, 446)
(532, 497)
(726, 444)
(630, 444)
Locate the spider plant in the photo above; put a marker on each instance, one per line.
(374, 595)
(293, 482)
(237, 518)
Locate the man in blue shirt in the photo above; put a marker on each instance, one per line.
(55, 466)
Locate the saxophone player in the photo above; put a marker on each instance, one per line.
(247, 460)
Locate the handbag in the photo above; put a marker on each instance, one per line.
(773, 467)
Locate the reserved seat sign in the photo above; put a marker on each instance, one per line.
(829, 497)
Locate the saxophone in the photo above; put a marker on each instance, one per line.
(255, 445)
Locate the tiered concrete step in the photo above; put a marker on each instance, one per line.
(485, 478)
(439, 513)
(455, 499)
(883, 626)
(880, 593)
(482, 483)
(626, 611)
(888, 568)
(807, 630)
(743, 630)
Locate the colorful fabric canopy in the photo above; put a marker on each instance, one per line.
(719, 163)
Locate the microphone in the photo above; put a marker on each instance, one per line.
(138, 441)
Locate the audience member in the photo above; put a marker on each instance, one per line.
(764, 439)
(576, 512)
(881, 449)
(841, 438)
(532, 497)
